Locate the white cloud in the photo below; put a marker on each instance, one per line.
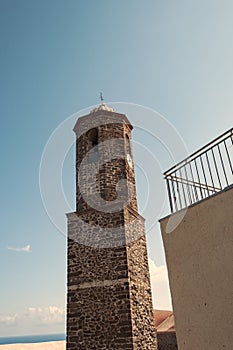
(50, 314)
(157, 273)
(8, 320)
(160, 286)
(26, 249)
(34, 320)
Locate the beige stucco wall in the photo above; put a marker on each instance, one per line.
(199, 254)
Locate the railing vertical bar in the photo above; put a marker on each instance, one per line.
(208, 163)
(216, 168)
(195, 190)
(178, 191)
(223, 167)
(187, 185)
(198, 177)
(174, 195)
(204, 175)
(228, 156)
(192, 191)
(185, 201)
(169, 195)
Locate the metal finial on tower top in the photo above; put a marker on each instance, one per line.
(102, 106)
(101, 96)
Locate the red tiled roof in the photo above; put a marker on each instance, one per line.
(164, 320)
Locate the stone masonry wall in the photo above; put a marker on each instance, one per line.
(144, 333)
(167, 341)
(109, 302)
(98, 304)
(99, 178)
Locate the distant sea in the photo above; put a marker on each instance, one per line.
(32, 338)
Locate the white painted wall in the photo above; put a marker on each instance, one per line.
(199, 254)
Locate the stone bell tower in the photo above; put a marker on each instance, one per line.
(109, 303)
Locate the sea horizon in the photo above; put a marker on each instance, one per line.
(39, 338)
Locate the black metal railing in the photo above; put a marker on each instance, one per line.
(205, 172)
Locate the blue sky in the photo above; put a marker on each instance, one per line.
(173, 57)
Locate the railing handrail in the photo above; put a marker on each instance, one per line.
(204, 149)
(203, 173)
